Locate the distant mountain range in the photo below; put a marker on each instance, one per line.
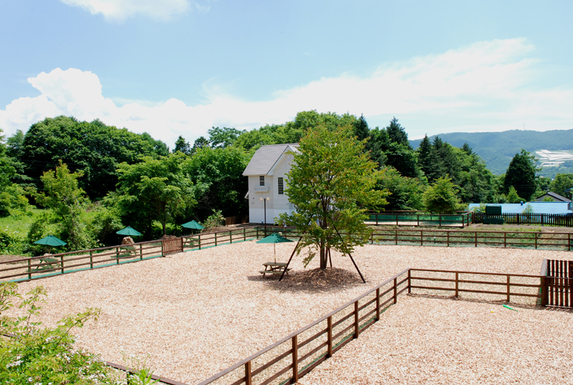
(498, 148)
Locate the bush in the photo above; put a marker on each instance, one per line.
(214, 220)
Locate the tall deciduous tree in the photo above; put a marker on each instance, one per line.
(561, 183)
(521, 175)
(331, 183)
(68, 202)
(155, 189)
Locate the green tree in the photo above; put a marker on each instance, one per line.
(521, 175)
(441, 197)
(561, 183)
(220, 173)
(67, 202)
(155, 189)
(93, 148)
(405, 193)
(513, 196)
(223, 137)
(182, 146)
(331, 184)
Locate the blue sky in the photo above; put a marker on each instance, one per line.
(179, 67)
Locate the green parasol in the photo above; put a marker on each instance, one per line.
(129, 231)
(50, 241)
(274, 239)
(193, 225)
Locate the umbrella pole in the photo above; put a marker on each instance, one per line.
(290, 259)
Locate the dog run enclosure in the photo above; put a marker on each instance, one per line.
(24, 269)
(290, 358)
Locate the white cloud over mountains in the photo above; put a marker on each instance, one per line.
(487, 86)
(119, 10)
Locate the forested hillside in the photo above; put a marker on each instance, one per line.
(498, 148)
(82, 181)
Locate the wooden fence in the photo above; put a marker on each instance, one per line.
(444, 237)
(285, 361)
(24, 269)
(525, 219)
(559, 283)
(414, 218)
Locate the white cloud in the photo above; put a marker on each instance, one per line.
(119, 10)
(487, 86)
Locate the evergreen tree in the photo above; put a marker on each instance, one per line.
(182, 146)
(425, 156)
(521, 175)
(361, 130)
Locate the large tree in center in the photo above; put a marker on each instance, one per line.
(331, 185)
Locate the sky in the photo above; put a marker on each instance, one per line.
(179, 67)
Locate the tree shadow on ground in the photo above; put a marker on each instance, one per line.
(313, 280)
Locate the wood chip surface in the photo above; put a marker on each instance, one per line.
(193, 314)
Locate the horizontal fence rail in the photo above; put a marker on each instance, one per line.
(484, 238)
(414, 218)
(24, 269)
(524, 219)
(285, 361)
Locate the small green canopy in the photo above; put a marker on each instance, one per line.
(129, 231)
(274, 239)
(193, 225)
(50, 240)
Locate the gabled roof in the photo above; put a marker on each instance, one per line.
(266, 157)
(557, 197)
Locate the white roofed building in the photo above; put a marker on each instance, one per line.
(267, 182)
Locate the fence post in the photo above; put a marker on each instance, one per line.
(541, 219)
(505, 239)
(396, 235)
(215, 239)
(257, 232)
(448, 238)
(230, 237)
(409, 282)
(457, 284)
(244, 234)
(439, 220)
(91, 260)
(535, 235)
(569, 242)
(140, 252)
(518, 219)
(199, 239)
(29, 268)
(377, 318)
(294, 359)
(117, 253)
(544, 292)
(329, 321)
(421, 237)
(248, 376)
(508, 289)
(62, 263)
(476, 238)
(356, 328)
(395, 290)
(418, 215)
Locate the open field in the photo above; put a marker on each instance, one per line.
(193, 314)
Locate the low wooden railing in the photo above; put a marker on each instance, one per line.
(444, 237)
(23, 269)
(285, 361)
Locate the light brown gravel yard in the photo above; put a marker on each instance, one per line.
(193, 314)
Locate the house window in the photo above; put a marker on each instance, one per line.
(261, 181)
(281, 185)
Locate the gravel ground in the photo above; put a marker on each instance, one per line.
(193, 314)
(443, 341)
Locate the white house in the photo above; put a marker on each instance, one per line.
(267, 182)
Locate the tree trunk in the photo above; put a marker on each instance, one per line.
(323, 256)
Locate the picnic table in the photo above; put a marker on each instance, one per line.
(273, 268)
(46, 263)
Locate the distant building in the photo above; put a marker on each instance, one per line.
(562, 208)
(554, 196)
(267, 182)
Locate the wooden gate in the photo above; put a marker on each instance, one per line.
(172, 245)
(559, 283)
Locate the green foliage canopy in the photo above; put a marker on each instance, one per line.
(331, 184)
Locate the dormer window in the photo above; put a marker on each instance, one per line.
(261, 180)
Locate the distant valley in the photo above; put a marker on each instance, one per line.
(553, 149)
